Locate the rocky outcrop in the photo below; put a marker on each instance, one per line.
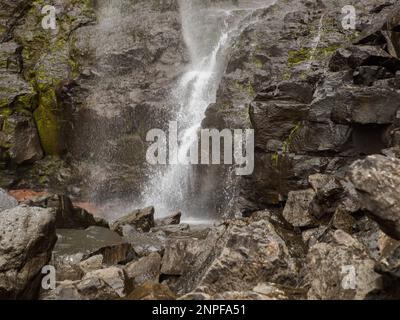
(377, 179)
(27, 239)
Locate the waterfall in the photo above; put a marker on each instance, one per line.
(208, 30)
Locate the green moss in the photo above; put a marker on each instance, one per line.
(296, 57)
(48, 122)
(246, 87)
(286, 146)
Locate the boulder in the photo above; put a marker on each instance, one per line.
(6, 201)
(28, 236)
(169, 220)
(298, 210)
(180, 255)
(341, 269)
(172, 229)
(250, 249)
(377, 181)
(22, 138)
(143, 270)
(103, 284)
(141, 219)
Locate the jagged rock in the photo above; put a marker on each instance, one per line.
(172, 229)
(180, 254)
(6, 201)
(23, 138)
(248, 249)
(377, 179)
(144, 243)
(313, 236)
(141, 219)
(27, 239)
(355, 56)
(298, 210)
(152, 291)
(343, 220)
(367, 75)
(91, 264)
(68, 216)
(170, 220)
(143, 270)
(103, 284)
(341, 269)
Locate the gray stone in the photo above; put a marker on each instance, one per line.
(377, 179)
(341, 269)
(27, 239)
(141, 219)
(143, 270)
(6, 201)
(172, 219)
(298, 210)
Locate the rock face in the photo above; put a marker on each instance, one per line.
(377, 179)
(27, 239)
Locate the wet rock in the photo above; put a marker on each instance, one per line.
(152, 291)
(298, 210)
(367, 75)
(23, 138)
(28, 237)
(68, 216)
(91, 264)
(6, 201)
(78, 251)
(376, 180)
(144, 243)
(143, 270)
(172, 229)
(341, 269)
(355, 56)
(173, 219)
(141, 219)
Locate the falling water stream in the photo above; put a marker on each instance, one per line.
(209, 31)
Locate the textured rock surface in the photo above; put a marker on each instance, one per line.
(377, 180)
(27, 239)
(341, 269)
(141, 219)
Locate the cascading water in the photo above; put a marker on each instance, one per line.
(208, 30)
